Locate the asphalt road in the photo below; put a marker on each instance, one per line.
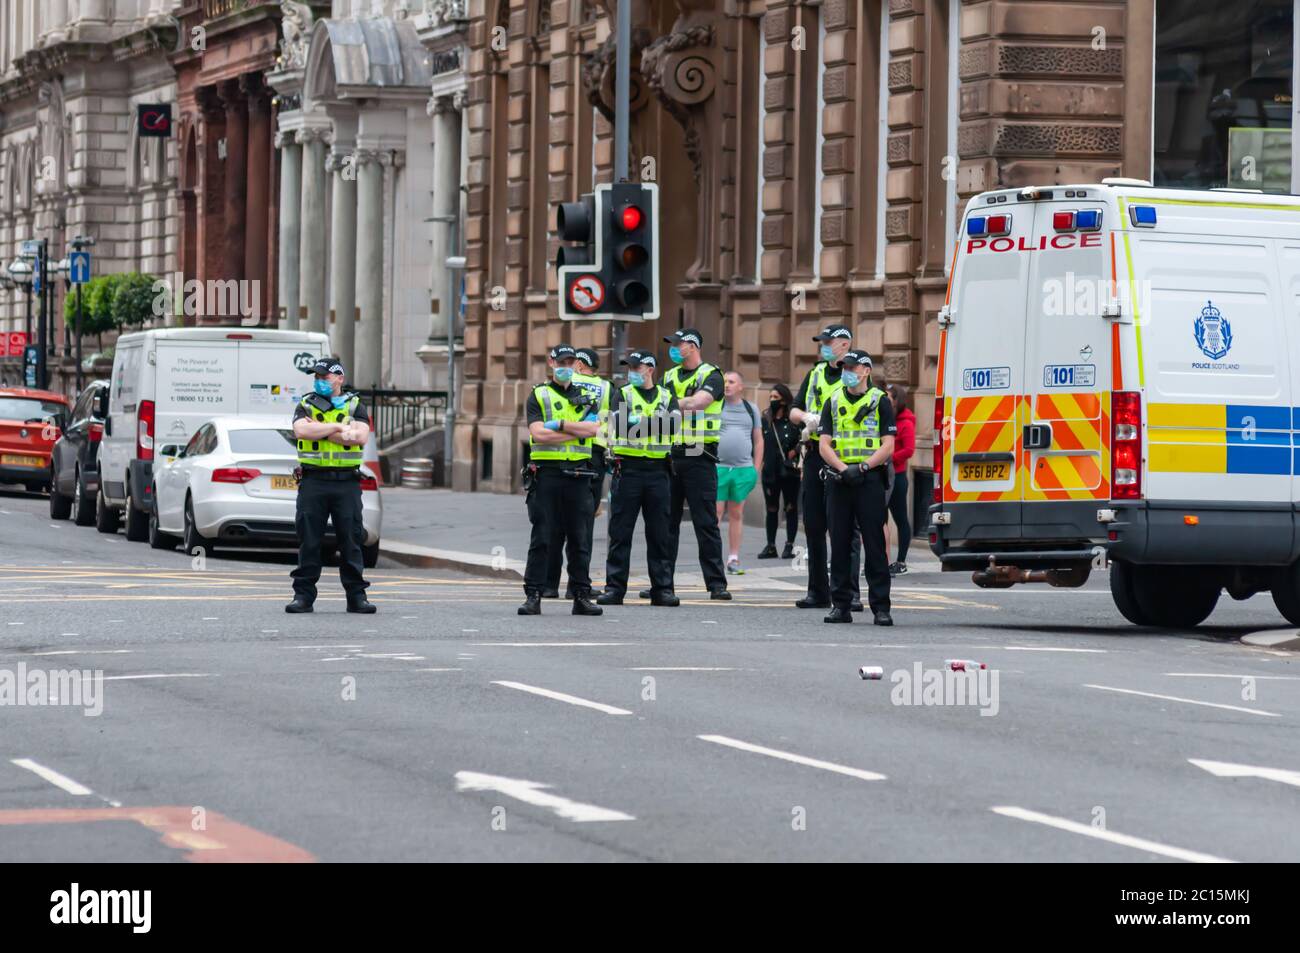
(448, 728)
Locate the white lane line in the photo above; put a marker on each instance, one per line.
(1225, 769)
(85, 652)
(773, 635)
(438, 670)
(533, 792)
(209, 618)
(1113, 837)
(795, 758)
(13, 623)
(1050, 648)
(678, 668)
(329, 646)
(49, 774)
(1186, 701)
(562, 697)
(529, 645)
(123, 678)
(1261, 678)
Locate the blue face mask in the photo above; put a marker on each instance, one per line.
(323, 387)
(563, 375)
(675, 354)
(636, 378)
(850, 379)
(828, 353)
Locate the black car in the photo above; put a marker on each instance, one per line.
(75, 458)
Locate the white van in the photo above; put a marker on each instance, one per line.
(167, 382)
(1119, 379)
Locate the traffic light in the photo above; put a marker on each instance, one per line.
(612, 268)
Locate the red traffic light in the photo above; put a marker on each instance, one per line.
(631, 218)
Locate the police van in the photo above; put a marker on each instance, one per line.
(1119, 384)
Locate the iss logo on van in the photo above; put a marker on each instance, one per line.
(986, 378)
(304, 361)
(1213, 336)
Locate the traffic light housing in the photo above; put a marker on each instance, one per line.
(611, 270)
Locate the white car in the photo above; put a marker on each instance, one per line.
(232, 485)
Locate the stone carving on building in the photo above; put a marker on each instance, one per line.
(296, 28)
(442, 12)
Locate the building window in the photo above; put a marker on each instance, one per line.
(1224, 92)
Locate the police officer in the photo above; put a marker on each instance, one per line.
(562, 426)
(816, 389)
(857, 446)
(598, 390)
(698, 388)
(641, 431)
(331, 431)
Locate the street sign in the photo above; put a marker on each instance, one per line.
(79, 267)
(587, 293)
(36, 275)
(155, 121)
(31, 358)
(30, 247)
(15, 343)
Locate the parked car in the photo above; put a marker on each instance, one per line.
(232, 485)
(75, 458)
(30, 422)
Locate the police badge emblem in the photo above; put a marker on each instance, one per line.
(1213, 332)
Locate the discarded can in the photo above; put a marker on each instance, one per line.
(964, 665)
(871, 672)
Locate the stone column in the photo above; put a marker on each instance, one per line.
(311, 248)
(370, 270)
(446, 209)
(54, 16)
(236, 166)
(290, 225)
(257, 207)
(343, 257)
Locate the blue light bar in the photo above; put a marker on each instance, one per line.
(977, 226)
(1143, 216)
(1088, 219)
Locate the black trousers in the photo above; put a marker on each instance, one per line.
(859, 512)
(646, 490)
(789, 488)
(816, 503)
(324, 499)
(555, 562)
(695, 484)
(558, 503)
(898, 510)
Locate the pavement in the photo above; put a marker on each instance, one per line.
(446, 727)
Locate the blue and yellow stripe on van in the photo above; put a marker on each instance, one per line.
(1222, 438)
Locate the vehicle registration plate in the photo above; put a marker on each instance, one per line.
(283, 483)
(976, 472)
(19, 460)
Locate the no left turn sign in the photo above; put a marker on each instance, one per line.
(587, 293)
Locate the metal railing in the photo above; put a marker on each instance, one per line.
(398, 414)
(214, 9)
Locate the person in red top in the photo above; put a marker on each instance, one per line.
(904, 447)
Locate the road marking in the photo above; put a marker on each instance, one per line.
(680, 668)
(49, 774)
(1049, 648)
(529, 645)
(773, 635)
(1186, 701)
(329, 646)
(13, 623)
(533, 792)
(209, 618)
(1262, 678)
(469, 630)
(123, 678)
(1225, 769)
(562, 697)
(1125, 840)
(795, 758)
(86, 652)
(439, 670)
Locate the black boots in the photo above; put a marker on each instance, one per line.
(298, 605)
(582, 604)
(839, 615)
(532, 604)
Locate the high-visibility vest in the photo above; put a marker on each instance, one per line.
(819, 392)
(651, 437)
(597, 390)
(854, 439)
(699, 426)
(324, 452)
(557, 407)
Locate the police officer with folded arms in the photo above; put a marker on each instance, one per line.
(562, 426)
(331, 430)
(818, 385)
(857, 445)
(585, 366)
(699, 389)
(640, 428)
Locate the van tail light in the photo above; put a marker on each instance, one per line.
(368, 482)
(235, 474)
(1126, 445)
(144, 431)
(95, 432)
(938, 450)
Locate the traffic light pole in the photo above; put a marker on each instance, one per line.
(42, 321)
(622, 106)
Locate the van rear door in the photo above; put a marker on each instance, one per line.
(1065, 431)
(195, 381)
(271, 373)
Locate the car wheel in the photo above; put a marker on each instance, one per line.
(83, 504)
(157, 538)
(195, 545)
(370, 556)
(1121, 590)
(106, 518)
(1176, 597)
(60, 505)
(137, 520)
(1286, 593)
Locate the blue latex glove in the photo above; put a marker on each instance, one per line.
(552, 425)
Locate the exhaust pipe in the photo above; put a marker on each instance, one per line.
(1004, 577)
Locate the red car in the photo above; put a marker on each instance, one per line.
(30, 422)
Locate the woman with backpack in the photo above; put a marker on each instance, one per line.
(781, 474)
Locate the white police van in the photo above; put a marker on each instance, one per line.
(1119, 380)
(168, 381)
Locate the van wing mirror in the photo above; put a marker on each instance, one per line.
(101, 404)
